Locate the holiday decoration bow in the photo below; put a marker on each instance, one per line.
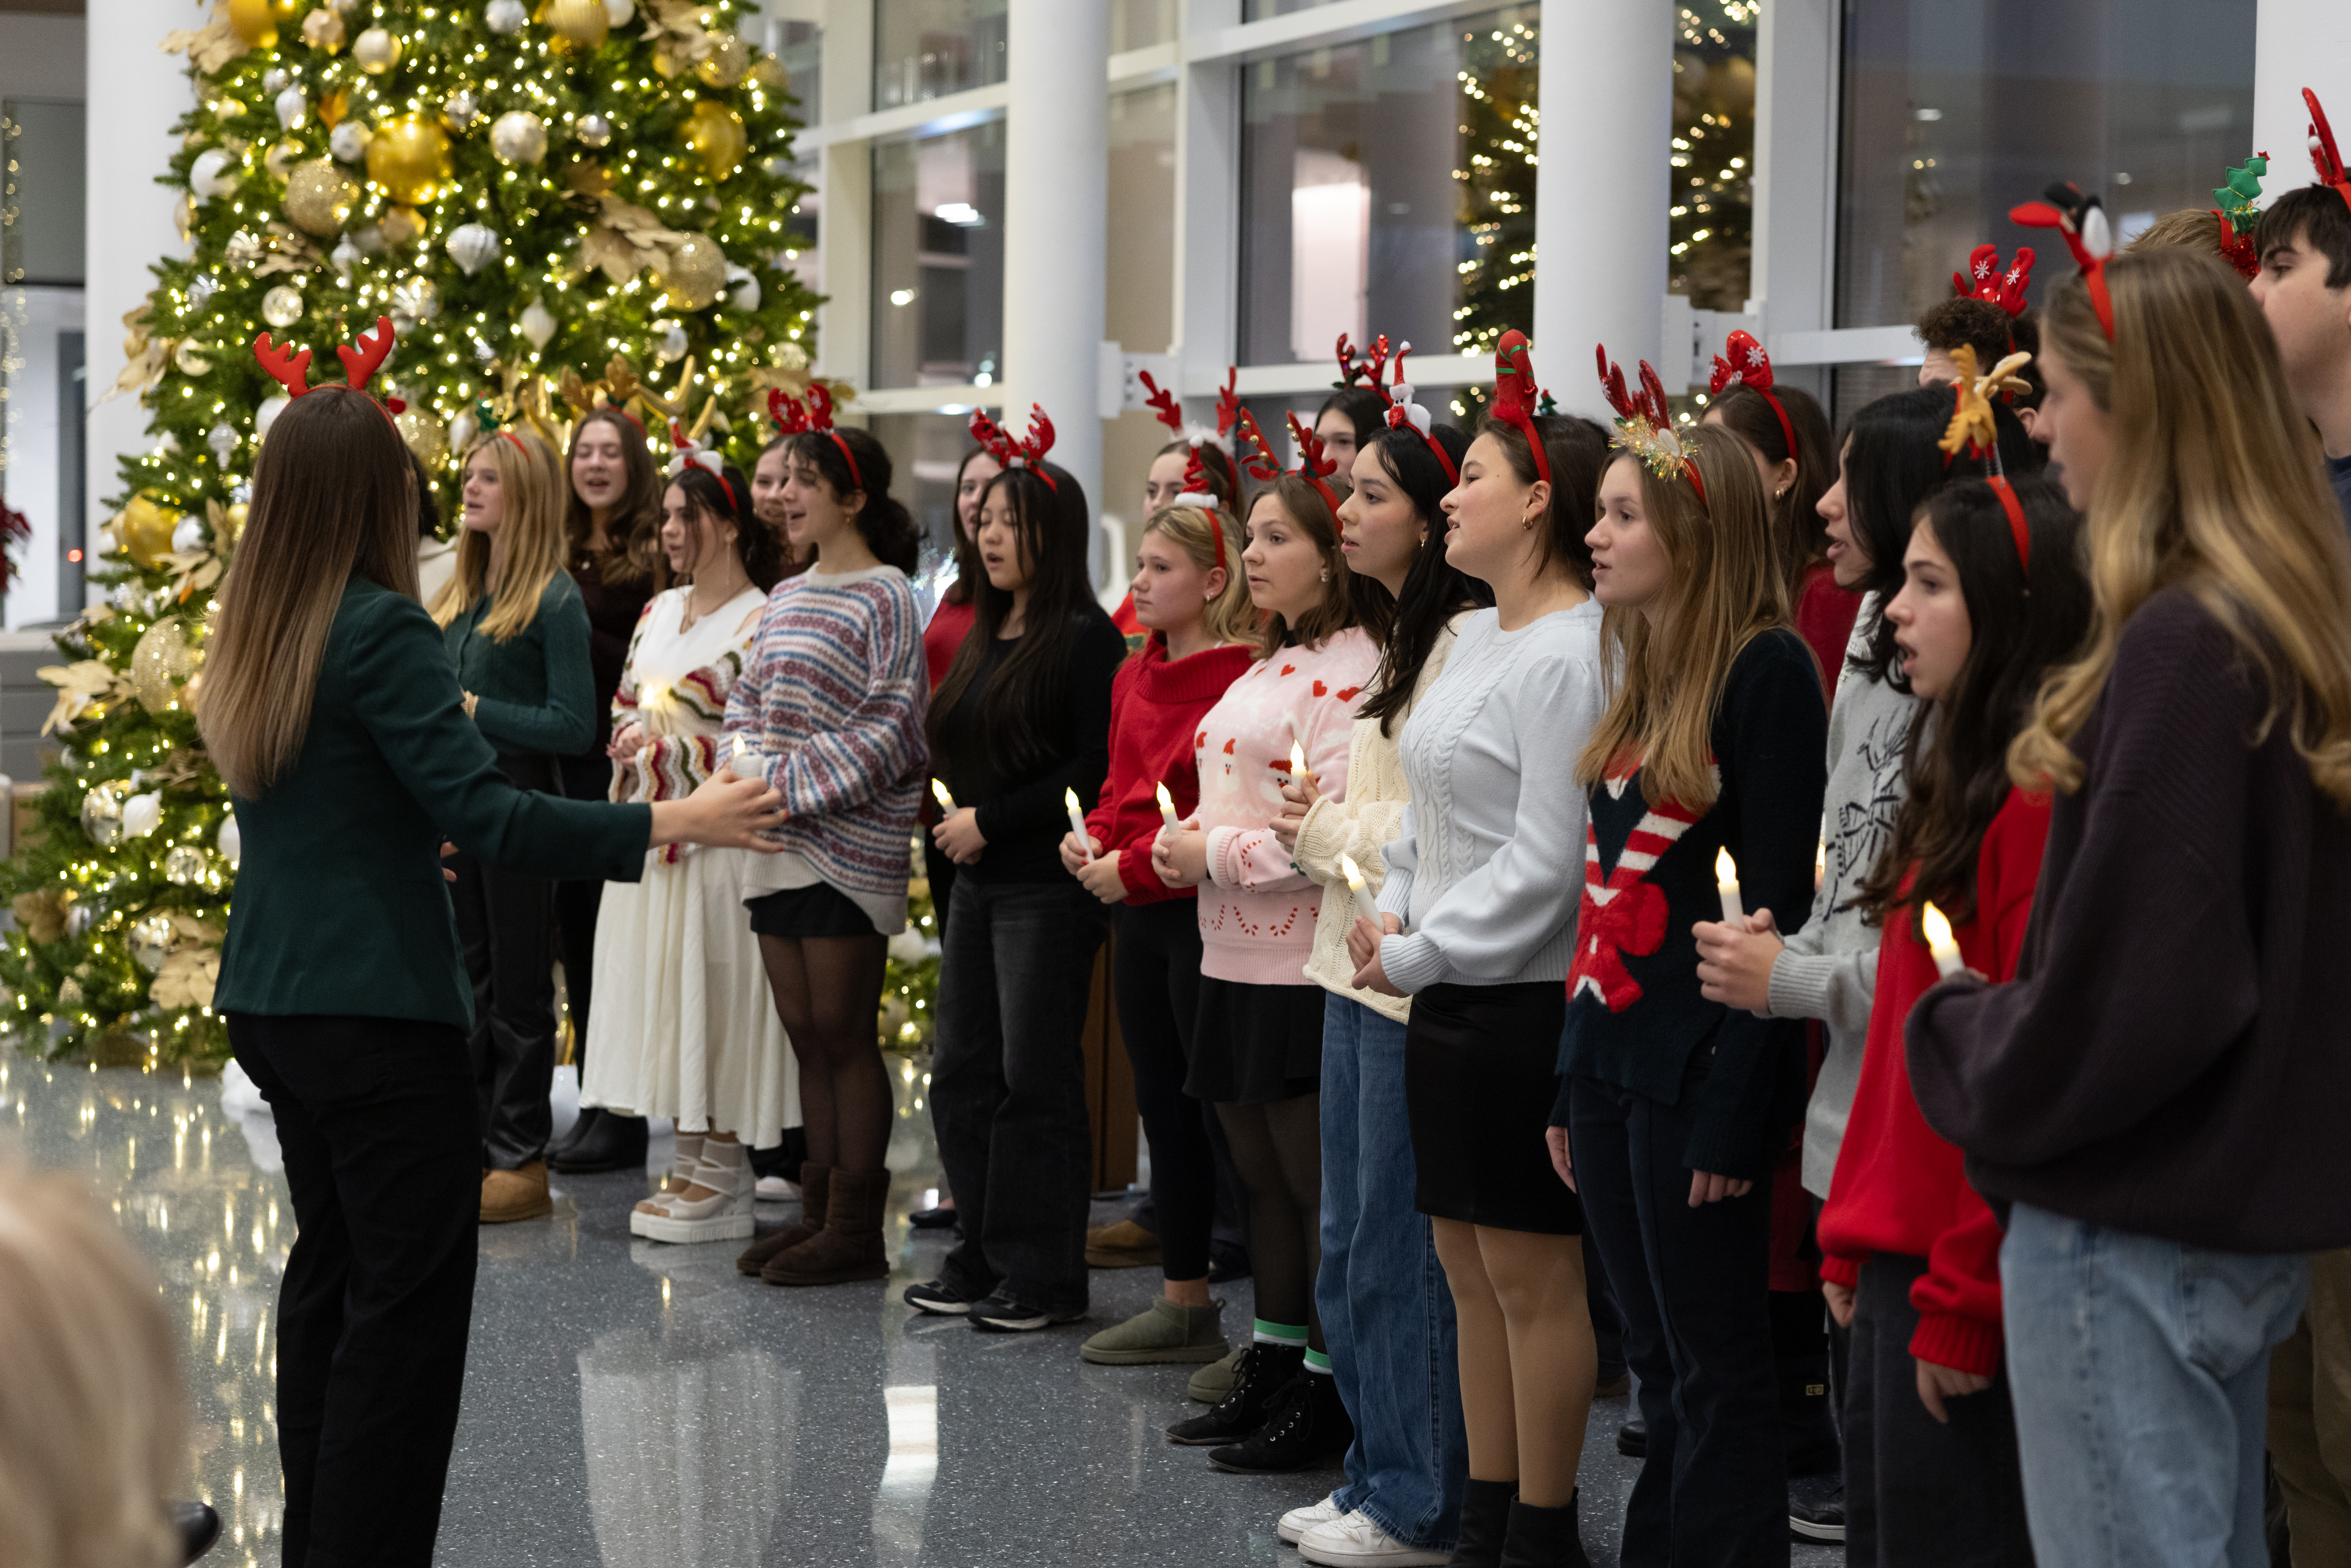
(1749, 366)
(1631, 921)
(1644, 423)
(2323, 155)
(1972, 430)
(2083, 221)
(1021, 452)
(1985, 279)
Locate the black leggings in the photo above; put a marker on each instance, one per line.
(827, 992)
(1158, 990)
(1277, 1149)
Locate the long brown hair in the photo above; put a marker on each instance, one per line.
(1803, 534)
(531, 488)
(632, 552)
(1724, 589)
(2214, 484)
(334, 496)
(1348, 600)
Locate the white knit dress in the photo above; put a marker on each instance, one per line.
(682, 1024)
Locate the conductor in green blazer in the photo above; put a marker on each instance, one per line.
(330, 708)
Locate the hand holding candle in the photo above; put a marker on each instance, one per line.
(1936, 929)
(1297, 763)
(939, 793)
(1726, 880)
(1167, 807)
(1078, 823)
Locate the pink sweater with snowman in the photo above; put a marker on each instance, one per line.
(1258, 910)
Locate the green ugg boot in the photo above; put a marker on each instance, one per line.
(1162, 1332)
(1214, 1381)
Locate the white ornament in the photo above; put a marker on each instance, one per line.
(266, 414)
(908, 947)
(617, 11)
(537, 324)
(344, 256)
(461, 431)
(518, 136)
(672, 343)
(275, 80)
(126, 597)
(742, 288)
(142, 814)
(189, 534)
(593, 130)
(201, 292)
(223, 439)
(231, 842)
(473, 245)
(349, 140)
(506, 16)
(282, 306)
(483, 352)
(291, 107)
(211, 175)
(459, 109)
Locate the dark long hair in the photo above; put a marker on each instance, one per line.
(1053, 527)
(969, 573)
(1796, 516)
(1434, 589)
(1366, 408)
(888, 527)
(633, 551)
(1958, 765)
(756, 544)
(1893, 465)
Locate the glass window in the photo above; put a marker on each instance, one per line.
(1388, 186)
(804, 221)
(1713, 208)
(928, 48)
(938, 259)
(925, 451)
(42, 146)
(1956, 110)
(799, 47)
(1259, 10)
(1140, 281)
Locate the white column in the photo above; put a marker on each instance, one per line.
(1601, 190)
(1056, 210)
(2299, 44)
(135, 93)
(1791, 279)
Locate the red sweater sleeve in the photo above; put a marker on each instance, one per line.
(1957, 1297)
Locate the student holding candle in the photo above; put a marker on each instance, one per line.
(1995, 597)
(1674, 1107)
(1258, 1045)
(1022, 719)
(1189, 593)
(2157, 1096)
(517, 635)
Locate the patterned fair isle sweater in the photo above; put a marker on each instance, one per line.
(832, 703)
(679, 713)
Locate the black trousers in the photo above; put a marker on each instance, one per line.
(576, 903)
(1921, 1494)
(377, 1120)
(1690, 1285)
(506, 925)
(1157, 987)
(1009, 1086)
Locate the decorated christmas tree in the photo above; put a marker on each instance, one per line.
(582, 202)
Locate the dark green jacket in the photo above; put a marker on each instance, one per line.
(341, 906)
(536, 690)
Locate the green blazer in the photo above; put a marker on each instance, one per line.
(340, 907)
(536, 692)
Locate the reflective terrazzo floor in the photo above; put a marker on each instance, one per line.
(636, 1406)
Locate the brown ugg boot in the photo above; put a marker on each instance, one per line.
(509, 1196)
(849, 1245)
(815, 1181)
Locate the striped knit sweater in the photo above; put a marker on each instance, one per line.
(680, 718)
(832, 703)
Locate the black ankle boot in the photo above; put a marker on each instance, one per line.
(1544, 1537)
(1259, 1377)
(198, 1525)
(1633, 1437)
(614, 1144)
(585, 1124)
(1485, 1520)
(1308, 1425)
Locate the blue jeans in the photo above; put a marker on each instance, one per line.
(2140, 1372)
(1387, 1316)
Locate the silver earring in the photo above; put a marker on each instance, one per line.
(1326, 574)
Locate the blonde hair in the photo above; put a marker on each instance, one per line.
(1229, 617)
(532, 493)
(1724, 588)
(2188, 228)
(334, 497)
(93, 1432)
(2214, 484)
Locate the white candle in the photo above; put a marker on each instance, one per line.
(1167, 807)
(742, 747)
(1078, 823)
(1297, 763)
(1938, 931)
(1726, 880)
(1820, 865)
(939, 793)
(1354, 872)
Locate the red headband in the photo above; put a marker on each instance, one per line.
(290, 369)
(1363, 367)
(2083, 221)
(688, 451)
(1749, 366)
(1311, 464)
(1199, 492)
(2323, 154)
(1515, 396)
(1023, 452)
(791, 417)
(1405, 414)
(1986, 281)
(2016, 523)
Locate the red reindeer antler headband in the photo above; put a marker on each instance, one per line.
(1749, 366)
(1644, 424)
(1312, 465)
(2324, 156)
(1517, 399)
(362, 358)
(1363, 368)
(1025, 452)
(686, 451)
(2083, 221)
(1199, 492)
(1985, 280)
(1403, 414)
(1162, 403)
(791, 417)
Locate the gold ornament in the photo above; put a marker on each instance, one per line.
(769, 73)
(518, 137)
(320, 197)
(145, 530)
(376, 50)
(582, 23)
(408, 158)
(254, 22)
(159, 661)
(227, 522)
(694, 273)
(400, 227)
(322, 29)
(279, 159)
(190, 357)
(282, 306)
(184, 865)
(713, 133)
(423, 434)
(727, 63)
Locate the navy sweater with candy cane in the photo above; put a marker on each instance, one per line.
(1635, 1015)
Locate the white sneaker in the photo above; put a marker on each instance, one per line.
(1355, 1540)
(1299, 1520)
(776, 1190)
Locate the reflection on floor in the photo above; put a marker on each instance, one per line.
(638, 1405)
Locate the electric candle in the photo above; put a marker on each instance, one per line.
(1167, 807)
(1726, 880)
(1820, 865)
(1297, 763)
(1078, 823)
(1938, 931)
(939, 793)
(1354, 872)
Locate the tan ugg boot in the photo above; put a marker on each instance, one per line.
(849, 1245)
(509, 1196)
(815, 1184)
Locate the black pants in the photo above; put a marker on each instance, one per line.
(1158, 991)
(506, 924)
(377, 1120)
(1009, 1086)
(1690, 1284)
(576, 903)
(1921, 1494)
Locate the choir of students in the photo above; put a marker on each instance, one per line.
(1946, 995)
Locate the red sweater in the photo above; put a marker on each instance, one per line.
(1155, 708)
(1824, 617)
(945, 635)
(1898, 1187)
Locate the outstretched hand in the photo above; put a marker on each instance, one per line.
(725, 812)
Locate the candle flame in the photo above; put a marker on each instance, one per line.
(1166, 802)
(939, 793)
(742, 745)
(1936, 929)
(1354, 872)
(1726, 869)
(1069, 798)
(1297, 761)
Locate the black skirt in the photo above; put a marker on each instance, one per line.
(819, 909)
(1252, 1045)
(1480, 1076)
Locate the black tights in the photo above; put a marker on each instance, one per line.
(827, 992)
(1278, 1149)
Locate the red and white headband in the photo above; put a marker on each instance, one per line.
(1403, 414)
(1749, 366)
(686, 452)
(2083, 221)
(792, 417)
(2323, 155)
